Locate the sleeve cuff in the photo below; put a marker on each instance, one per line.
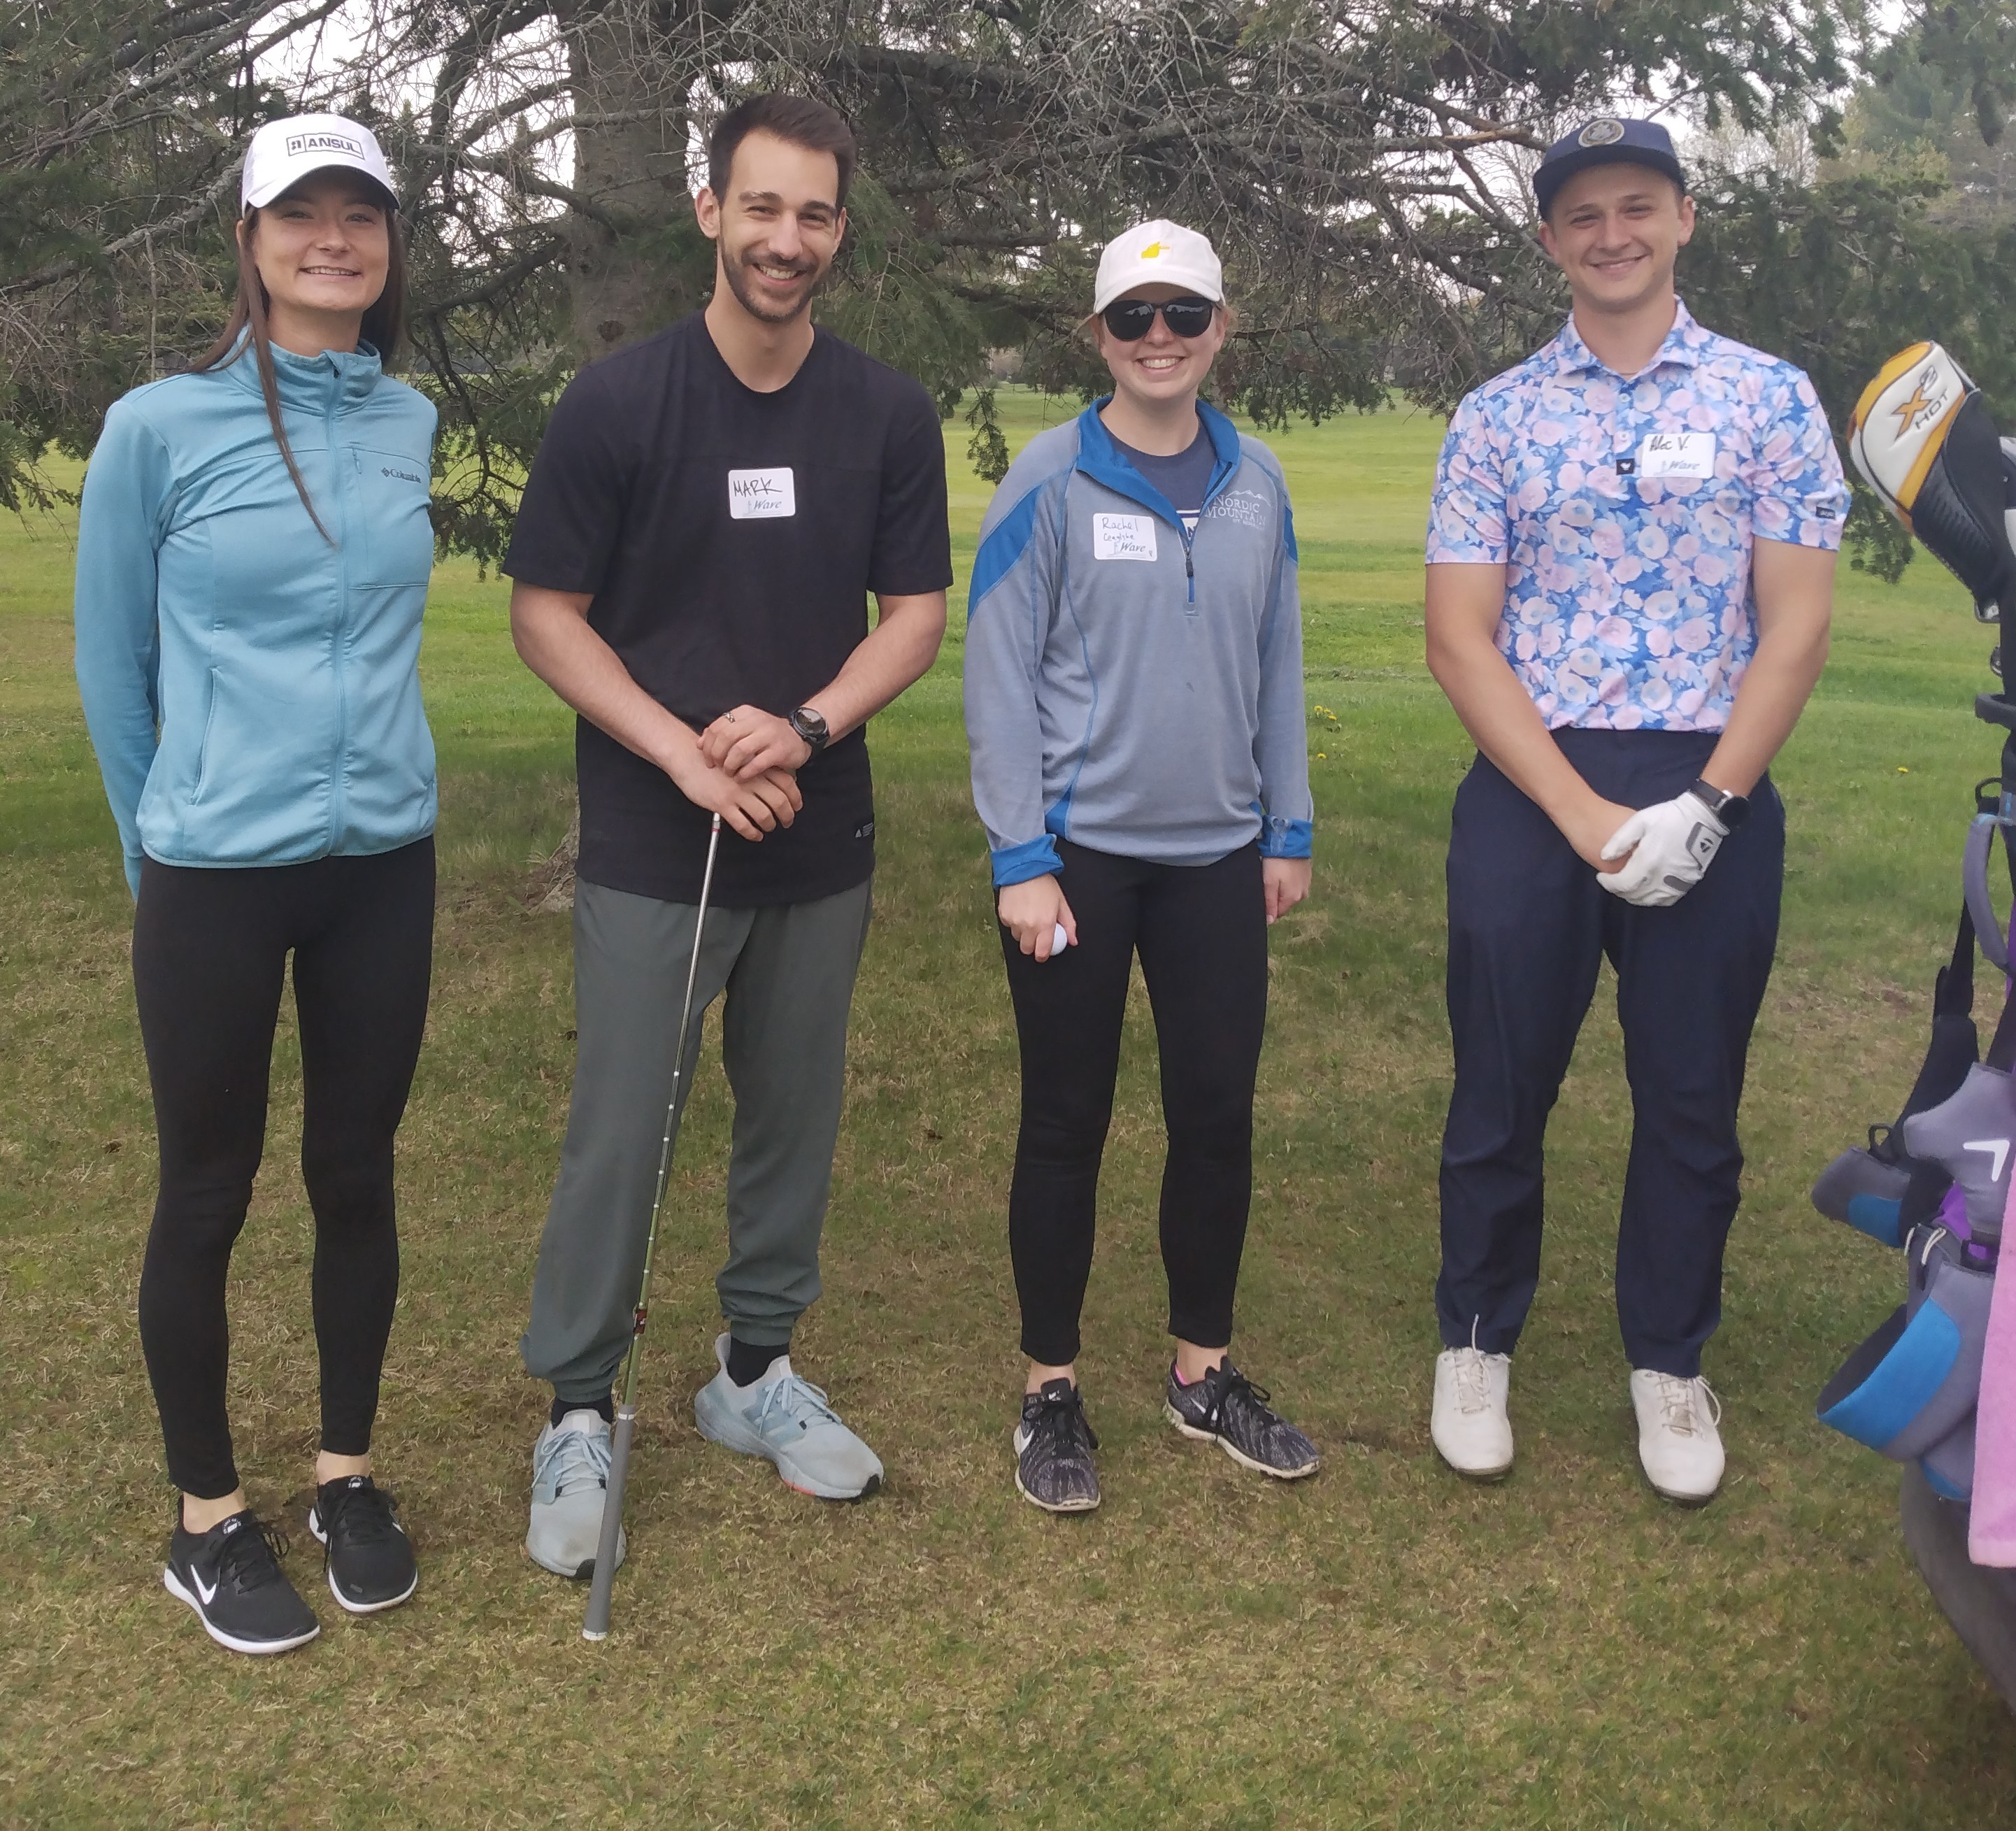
(1018, 864)
(1285, 839)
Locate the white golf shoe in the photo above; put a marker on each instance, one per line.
(1678, 1446)
(1471, 1431)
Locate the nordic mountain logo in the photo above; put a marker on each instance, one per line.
(323, 142)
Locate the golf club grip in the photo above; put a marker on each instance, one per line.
(596, 1626)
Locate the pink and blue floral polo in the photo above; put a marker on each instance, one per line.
(1623, 510)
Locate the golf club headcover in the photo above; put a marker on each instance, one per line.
(1913, 1382)
(1859, 1188)
(1971, 1136)
(1923, 440)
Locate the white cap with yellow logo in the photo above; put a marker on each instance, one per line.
(1161, 250)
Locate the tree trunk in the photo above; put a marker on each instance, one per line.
(629, 167)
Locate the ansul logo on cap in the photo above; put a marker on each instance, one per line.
(323, 142)
(1600, 133)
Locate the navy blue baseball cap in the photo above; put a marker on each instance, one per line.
(1605, 141)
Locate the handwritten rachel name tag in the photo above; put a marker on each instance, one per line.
(1123, 537)
(1677, 454)
(761, 496)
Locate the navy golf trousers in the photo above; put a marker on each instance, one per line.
(1528, 925)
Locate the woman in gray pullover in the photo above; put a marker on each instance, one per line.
(1134, 703)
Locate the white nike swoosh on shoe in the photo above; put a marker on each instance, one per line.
(206, 1593)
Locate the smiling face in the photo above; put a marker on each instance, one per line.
(322, 249)
(1615, 231)
(1162, 368)
(777, 231)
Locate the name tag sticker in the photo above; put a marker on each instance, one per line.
(1123, 537)
(761, 496)
(1677, 454)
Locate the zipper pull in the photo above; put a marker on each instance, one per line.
(1190, 568)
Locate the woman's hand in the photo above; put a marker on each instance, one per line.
(1285, 882)
(1033, 911)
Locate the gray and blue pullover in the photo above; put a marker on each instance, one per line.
(1129, 687)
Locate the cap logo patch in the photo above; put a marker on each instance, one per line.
(323, 142)
(1155, 251)
(1600, 133)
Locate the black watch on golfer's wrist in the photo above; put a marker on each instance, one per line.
(810, 725)
(1732, 810)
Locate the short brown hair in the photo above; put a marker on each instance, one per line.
(797, 120)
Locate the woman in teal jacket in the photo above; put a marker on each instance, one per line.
(253, 557)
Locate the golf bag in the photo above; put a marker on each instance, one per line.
(1935, 1183)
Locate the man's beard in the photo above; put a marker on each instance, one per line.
(761, 309)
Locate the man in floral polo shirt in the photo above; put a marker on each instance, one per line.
(1631, 557)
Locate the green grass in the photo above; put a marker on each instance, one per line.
(1383, 1645)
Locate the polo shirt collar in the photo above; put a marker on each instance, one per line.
(1571, 356)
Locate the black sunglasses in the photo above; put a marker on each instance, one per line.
(1131, 319)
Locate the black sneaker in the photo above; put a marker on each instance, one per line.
(1227, 1409)
(1054, 1446)
(231, 1575)
(369, 1559)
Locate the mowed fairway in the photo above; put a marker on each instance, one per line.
(1381, 1646)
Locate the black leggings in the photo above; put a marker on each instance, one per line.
(210, 950)
(1202, 930)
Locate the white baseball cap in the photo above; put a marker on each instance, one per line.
(1158, 251)
(282, 152)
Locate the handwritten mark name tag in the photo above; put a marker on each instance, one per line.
(1123, 537)
(761, 496)
(1677, 454)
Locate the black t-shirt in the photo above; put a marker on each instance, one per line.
(730, 539)
(1183, 478)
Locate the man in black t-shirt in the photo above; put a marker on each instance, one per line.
(692, 560)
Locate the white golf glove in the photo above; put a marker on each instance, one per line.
(1672, 843)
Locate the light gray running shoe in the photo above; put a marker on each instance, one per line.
(1970, 1136)
(569, 1480)
(787, 1421)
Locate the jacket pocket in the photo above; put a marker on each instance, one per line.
(206, 747)
(391, 536)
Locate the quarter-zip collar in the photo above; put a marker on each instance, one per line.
(1101, 458)
(332, 382)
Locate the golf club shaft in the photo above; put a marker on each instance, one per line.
(596, 1626)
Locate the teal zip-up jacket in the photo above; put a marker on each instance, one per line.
(1130, 687)
(251, 689)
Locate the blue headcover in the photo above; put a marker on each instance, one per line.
(1914, 1383)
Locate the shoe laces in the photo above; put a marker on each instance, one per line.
(792, 1399)
(1472, 1368)
(1225, 1385)
(1064, 1413)
(1677, 1400)
(251, 1555)
(364, 1509)
(573, 1458)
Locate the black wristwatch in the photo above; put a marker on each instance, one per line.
(810, 725)
(1732, 810)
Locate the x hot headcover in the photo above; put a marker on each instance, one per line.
(1923, 440)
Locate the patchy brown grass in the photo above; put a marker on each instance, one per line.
(1382, 1646)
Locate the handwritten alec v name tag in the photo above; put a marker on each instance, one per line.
(1677, 454)
(1123, 537)
(761, 496)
